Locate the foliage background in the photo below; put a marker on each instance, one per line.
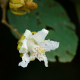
(52, 16)
(36, 70)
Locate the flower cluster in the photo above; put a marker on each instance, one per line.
(32, 46)
(21, 7)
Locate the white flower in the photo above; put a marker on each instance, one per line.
(35, 46)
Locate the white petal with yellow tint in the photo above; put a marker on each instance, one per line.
(49, 45)
(25, 60)
(31, 44)
(27, 34)
(40, 35)
(42, 57)
(24, 47)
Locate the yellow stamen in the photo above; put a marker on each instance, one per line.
(22, 37)
(19, 42)
(18, 47)
(34, 32)
(41, 51)
(21, 54)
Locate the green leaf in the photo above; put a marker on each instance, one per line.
(52, 16)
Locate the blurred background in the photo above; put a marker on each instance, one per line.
(9, 56)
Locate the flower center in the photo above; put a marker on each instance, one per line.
(41, 50)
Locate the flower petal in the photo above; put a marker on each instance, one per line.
(25, 60)
(24, 48)
(40, 35)
(45, 61)
(23, 64)
(49, 45)
(32, 58)
(42, 57)
(31, 44)
(27, 34)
